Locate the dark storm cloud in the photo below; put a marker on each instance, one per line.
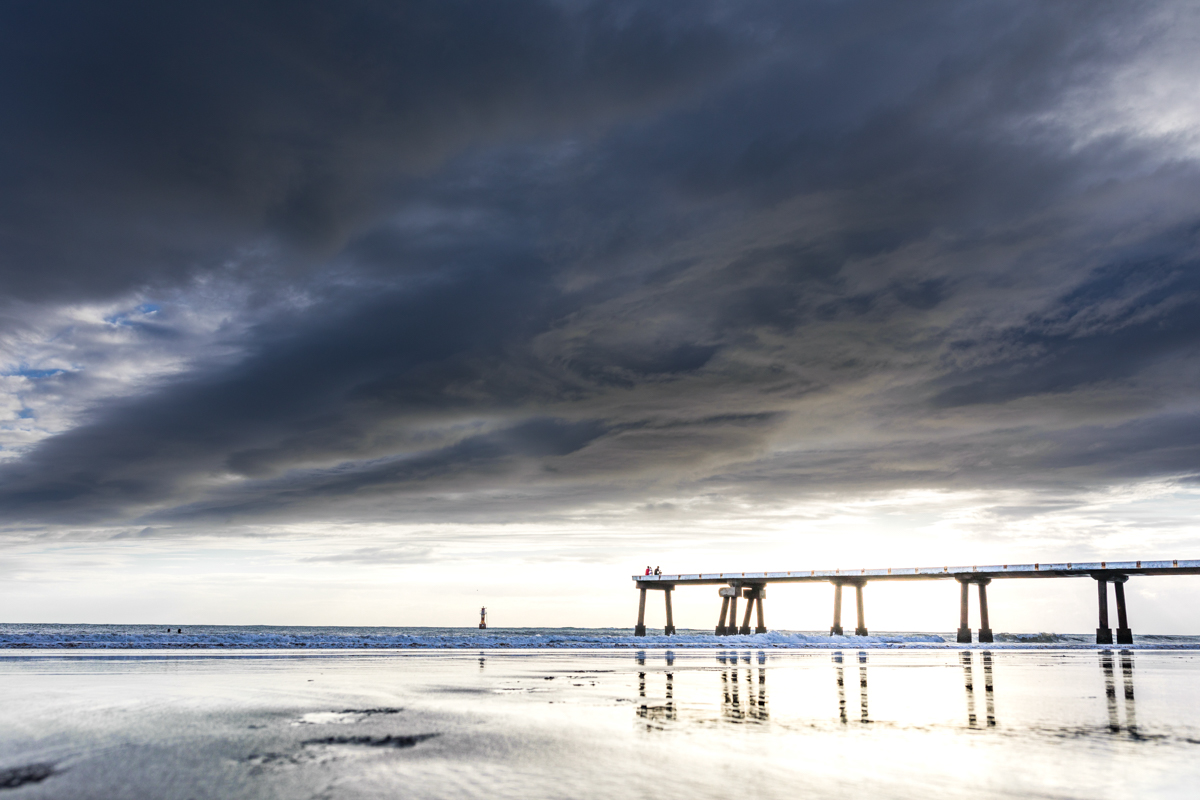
(142, 142)
(1121, 319)
(518, 259)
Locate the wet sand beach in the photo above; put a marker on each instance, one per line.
(600, 723)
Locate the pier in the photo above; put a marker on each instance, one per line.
(751, 586)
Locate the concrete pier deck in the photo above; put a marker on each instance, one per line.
(1055, 570)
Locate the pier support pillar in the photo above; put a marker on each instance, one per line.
(836, 628)
(964, 604)
(745, 629)
(861, 630)
(640, 629)
(985, 628)
(1103, 633)
(1124, 634)
(754, 601)
(669, 629)
(727, 624)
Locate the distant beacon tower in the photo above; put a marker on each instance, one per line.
(483, 617)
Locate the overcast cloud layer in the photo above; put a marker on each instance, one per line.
(451, 261)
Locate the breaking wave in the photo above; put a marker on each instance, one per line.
(149, 637)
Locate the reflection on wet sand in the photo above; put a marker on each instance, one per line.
(1108, 667)
(744, 696)
(656, 715)
(840, 672)
(967, 659)
(862, 687)
(754, 708)
(743, 690)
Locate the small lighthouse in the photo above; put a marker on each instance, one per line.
(483, 617)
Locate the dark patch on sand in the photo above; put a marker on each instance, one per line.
(369, 711)
(19, 776)
(373, 741)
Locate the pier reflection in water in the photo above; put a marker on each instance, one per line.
(913, 690)
(658, 713)
(743, 691)
(1108, 668)
(840, 671)
(967, 658)
(741, 688)
(754, 705)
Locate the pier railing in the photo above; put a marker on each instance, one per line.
(752, 586)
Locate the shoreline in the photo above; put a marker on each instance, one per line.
(236, 651)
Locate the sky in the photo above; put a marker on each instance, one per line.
(375, 312)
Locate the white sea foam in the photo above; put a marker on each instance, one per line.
(139, 636)
(322, 638)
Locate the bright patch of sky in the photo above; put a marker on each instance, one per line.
(58, 363)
